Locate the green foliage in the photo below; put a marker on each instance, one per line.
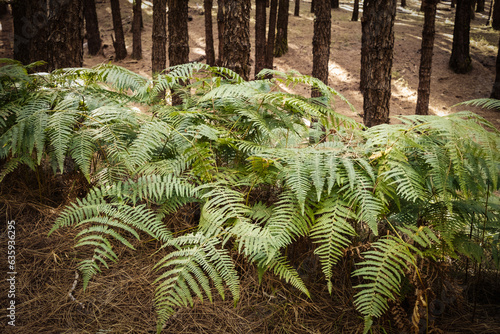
(429, 183)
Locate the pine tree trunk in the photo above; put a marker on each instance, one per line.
(334, 4)
(119, 42)
(30, 31)
(94, 41)
(220, 29)
(460, 61)
(355, 11)
(321, 42)
(4, 9)
(178, 41)
(495, 19)
(65, 44)
(495, 94)
(136, 30)
(260, 35)
(297, 8)
(281, 43)
(209, 34)
(271, 34)
(480, 6)
(377, 49)
(312, 5)
(237, 37)
(424, 75)
(159, 37)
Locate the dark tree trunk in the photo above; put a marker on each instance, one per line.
(453, 3)
(237, 37)
(23, 35)
(355, 11)
(119, 42)
(94, 41)
(334, 4)
(495, 19)
(271, 34)
(178, 41)
(281, 43)
(65, 43)
(403, 3)
(209, 34)
(312, 5)
(159, 37)
(297, 8)
(424, 75)
(321, 42)
(220, 29)
(480, 6)
(4, 9)
(260, 35)
(377, 49)
(30, 31)
(495, 94)
(178, 46)
(136, 30)
(460, 61)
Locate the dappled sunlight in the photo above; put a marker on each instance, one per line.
(339, 73)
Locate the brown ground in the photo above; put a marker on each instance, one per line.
(120, 300)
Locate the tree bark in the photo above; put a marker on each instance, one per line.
(65, 43)
(460, 61)
(335, 4)
(321, 42)
(119, 42)
(495, 18)
(312, 5)
(377, 49)
(136, 30)
(260, 35)
(495, 94)
(178, 41)
(297, 8)
(271, 34)
(159, 37)
(355, 11)
(281, 43)
(209, 34)
(31, 26)
(220, 29)
(237, 37)
(94, 41)
(424, 75)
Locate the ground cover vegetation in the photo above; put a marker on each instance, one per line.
(265, 173)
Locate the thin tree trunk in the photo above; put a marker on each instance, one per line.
(460, 61)
(355, 11)
(65, 44)
(119, 42)
(209, 34)
(159, 37)
(237, 37)
(260, 35)
(495, 94)
(94, 41)
(273, 10)
(281, 43)
(297, 8)
(136, 30)
(403, 3)
(424, 76)
(377, 50)
(321, 42)
(220, 29)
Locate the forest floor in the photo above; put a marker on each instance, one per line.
(121, 299)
